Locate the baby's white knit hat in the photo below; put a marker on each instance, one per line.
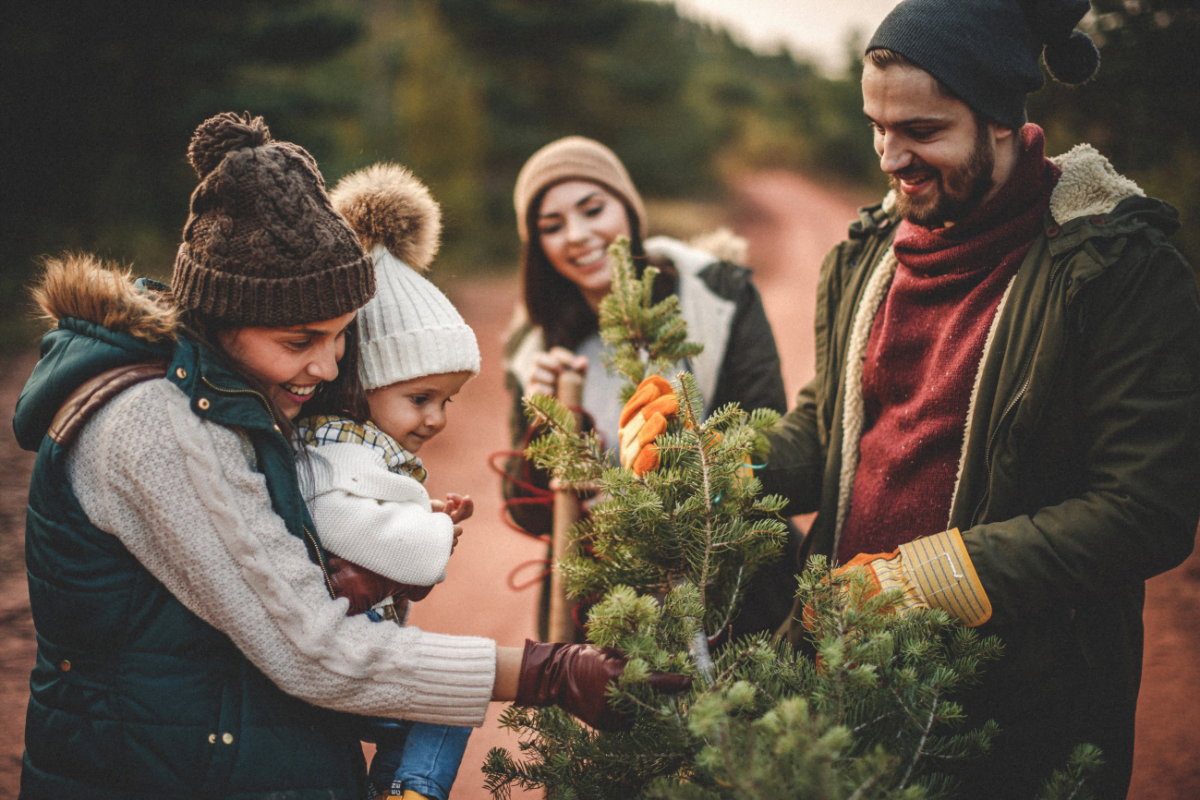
(409, 329)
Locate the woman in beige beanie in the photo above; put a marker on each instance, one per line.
(572, 198)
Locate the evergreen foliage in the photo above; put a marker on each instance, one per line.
(1071, 782)
(868, 711)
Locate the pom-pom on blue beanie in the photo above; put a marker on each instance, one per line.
(986, 51)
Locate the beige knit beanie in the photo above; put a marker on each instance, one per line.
(409, 329)
(574, 158)
(262, 245)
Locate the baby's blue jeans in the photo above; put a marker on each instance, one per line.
(414, 755)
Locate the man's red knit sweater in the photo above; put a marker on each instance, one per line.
(924, 351)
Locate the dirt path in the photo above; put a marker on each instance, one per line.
(790, 223)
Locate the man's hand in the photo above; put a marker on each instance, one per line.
(884, 571)
(930, 572)
(643, 419)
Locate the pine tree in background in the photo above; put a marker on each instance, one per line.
(869, 714)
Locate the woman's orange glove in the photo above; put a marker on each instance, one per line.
(643, 419)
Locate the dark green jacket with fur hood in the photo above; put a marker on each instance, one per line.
(132, 694)
(1080, 470)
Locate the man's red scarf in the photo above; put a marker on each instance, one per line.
(924, 351)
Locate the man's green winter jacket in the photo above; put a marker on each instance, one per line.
(1080, 470)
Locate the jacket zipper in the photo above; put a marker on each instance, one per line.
(321, 562)
(312, 539)
(1016, 398)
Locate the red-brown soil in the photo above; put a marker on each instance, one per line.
(790, 223)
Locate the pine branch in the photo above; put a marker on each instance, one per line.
(920, 749)
(688, 393)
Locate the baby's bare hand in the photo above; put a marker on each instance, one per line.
(458, 507)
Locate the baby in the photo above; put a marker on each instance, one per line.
(367, 499)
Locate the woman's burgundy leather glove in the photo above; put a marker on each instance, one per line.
(364, 588)
(574, 677)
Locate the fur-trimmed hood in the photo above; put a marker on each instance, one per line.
(102, 321)
(83, 287)
(386, 204)
(1089, 185)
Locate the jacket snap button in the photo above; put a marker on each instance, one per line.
(212, 738)
(227, 738)
(1053, 231)
(180, 373)
(1101, 220)
(65, 666)
(203, 403)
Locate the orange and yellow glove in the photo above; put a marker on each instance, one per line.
(930, 572)
(643, 419)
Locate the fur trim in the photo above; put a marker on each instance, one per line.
(724, 244)
(1089, 185)
(81, 286)
(889, 201)
(874, 294)
(386, 204)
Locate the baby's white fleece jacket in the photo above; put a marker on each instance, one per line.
(181, 494)
(373, 517)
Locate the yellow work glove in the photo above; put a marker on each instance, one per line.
(930, 572)
(643, 419)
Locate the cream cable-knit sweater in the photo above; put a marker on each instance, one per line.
(181, 494)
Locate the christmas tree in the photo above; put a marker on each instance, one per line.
(867, 712)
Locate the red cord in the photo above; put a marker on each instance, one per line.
(511, 580)
(539, 496)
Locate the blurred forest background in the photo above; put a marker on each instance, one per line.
(100, 99)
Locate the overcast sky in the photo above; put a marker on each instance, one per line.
(817, 29)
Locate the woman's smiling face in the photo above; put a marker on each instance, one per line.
(291, 362)
(576, 223)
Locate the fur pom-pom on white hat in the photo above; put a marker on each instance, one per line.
(386, 204)
(410, 328)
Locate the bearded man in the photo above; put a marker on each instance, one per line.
(1005, 418)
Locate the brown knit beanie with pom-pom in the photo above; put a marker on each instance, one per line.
(263, 245)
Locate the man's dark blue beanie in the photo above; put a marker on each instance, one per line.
(986, 51)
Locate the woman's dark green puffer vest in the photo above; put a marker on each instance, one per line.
(133, 695)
